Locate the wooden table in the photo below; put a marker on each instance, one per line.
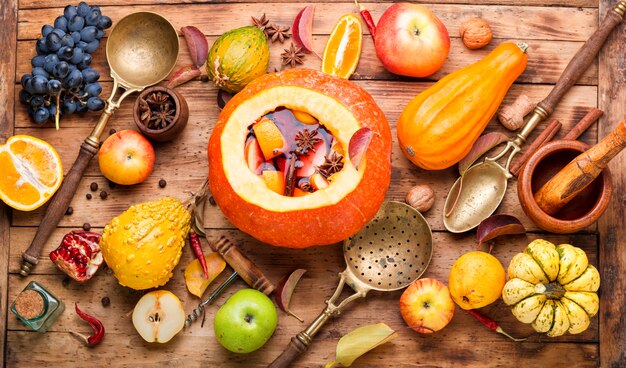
(554, 33)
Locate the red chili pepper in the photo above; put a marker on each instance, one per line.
(98, 328)
(491, 324)
(194, 242)
(367, 18)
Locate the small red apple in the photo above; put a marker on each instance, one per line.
(126, 157)
(426, 305)
(410, 40)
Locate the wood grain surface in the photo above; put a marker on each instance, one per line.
(554, 31)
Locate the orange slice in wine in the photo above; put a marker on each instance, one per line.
(343, 49)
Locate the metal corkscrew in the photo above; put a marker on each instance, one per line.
(192, 317)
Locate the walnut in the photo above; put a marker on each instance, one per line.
(421, 197)
(475, 33)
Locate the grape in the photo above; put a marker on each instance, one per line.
(61, 23)
(76, 23)
(54, 86)
(95, 103)
(28, 86)
(88, 33)
(69, 106)
(93, 89)
(39, 84)
(52, 109)
(40, 46)
(40, 71)
(105, 22)
(74, 79)
(25, 79)
(24, 96)
(65, 53)
(41, 115)
(38, 60)
(90, 75)
(46, 29)
(67, 40)
(81, 107)
(36, 100)
(93, 18)
(86, 61)
(61, 70)
(50, 65)
(82, 44)
(83, 9)
(58, 32)
(77, 55)
(69, 12)
(100, 34)
(53, 42)
(52, 58)
(92, 46)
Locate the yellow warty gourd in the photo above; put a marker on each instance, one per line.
(143, 245)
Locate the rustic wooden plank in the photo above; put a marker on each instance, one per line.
(322, 264)
(611, 98)
(524, 23)
(546, 60)
(184, 165)
(35, 4)
(8, 40)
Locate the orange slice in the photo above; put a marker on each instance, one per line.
(304, 117)
(275, 180)
(269, 137)
(30, 173)
(343, 49)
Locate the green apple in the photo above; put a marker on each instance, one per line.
(246, 321)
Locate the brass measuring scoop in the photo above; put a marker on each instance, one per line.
(142, 50)
(388, 254)
(479, 191)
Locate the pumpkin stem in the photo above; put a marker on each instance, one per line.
(553, 290)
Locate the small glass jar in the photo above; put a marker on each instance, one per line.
(37, 307)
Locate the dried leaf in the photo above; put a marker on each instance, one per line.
(194, 276)
(197, 44)
(497, 225)
(302, 29)
(482, 145)
(285, 289)
(183, 75)
(359, 341)
(222, 98)
(357, 147)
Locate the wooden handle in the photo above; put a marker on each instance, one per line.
(579, 173)
(57, 207)
(248, 271)
(581, 60)
(291, 352)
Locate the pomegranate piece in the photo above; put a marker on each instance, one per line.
(78, 255)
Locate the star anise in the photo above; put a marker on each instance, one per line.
(332, 163)
(261, 23)
(157, 98)
(306, 140)
(276, 32)
(161, 118)
(157, 111)
(292, 56)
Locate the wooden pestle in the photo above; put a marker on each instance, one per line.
(581, 171)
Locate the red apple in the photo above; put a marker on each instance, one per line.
(126, 157)
(410, 40)
(426, 305)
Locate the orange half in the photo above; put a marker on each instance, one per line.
(30, 172)
(343, 49)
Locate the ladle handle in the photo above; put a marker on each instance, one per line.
(57, 207)
(583, 57)
(579, 173)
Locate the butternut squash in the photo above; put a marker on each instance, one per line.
(440, 125)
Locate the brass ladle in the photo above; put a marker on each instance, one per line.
(388, 254)
(142, 50)
(479, 191)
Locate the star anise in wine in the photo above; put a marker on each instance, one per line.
(292, 56)
(332, 163)
(276, 32)
(261, 23)
(306, 140)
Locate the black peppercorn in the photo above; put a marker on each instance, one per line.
(69, 211)
(103, 194)
(112, 131)
(86, 226)
(204, 78)
(66, 281)
(105, 301)
(162, 183)
(88, 195)
(112, 184)
(212, 201)
(93, 186)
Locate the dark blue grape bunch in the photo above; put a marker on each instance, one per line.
(62, 80)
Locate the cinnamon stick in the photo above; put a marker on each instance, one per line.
(546, 135)
(584, 123)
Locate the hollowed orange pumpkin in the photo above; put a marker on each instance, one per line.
(327, 215)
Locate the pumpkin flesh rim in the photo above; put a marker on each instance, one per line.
(332, 114)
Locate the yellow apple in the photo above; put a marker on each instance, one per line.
(426, 305)
(126, 158)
